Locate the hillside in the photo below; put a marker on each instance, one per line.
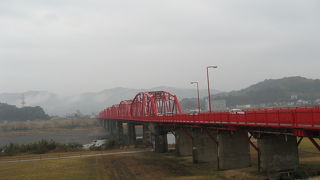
(289, 90)
(285, 92)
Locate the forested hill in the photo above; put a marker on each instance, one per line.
(276, 90)
(13, 113)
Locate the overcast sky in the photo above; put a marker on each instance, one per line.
(74, 46)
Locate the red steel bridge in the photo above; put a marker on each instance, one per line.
(163, 108)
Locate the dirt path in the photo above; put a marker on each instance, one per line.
(70, 157)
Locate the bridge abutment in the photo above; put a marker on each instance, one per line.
(204, 148)
(183, 142)
(278, 152)
(233, 150)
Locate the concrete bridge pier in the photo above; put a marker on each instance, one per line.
(147, 136)
(183, 142)
(104, 123)
(109, 127)
(278, 152)
(120, 135)
(131, 134)
(159, 136)
(107, 122)
(205, 149)
(113, 129)
(233, 150)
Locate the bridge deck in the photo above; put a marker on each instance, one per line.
(307, 118)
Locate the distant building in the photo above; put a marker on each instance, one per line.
(302, 102)
(245, 106)
(294, 97)
(217, 105)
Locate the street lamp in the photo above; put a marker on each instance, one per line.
(198, 95)
(209, 96)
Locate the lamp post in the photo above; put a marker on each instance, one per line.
(209, 95)
(198, 95)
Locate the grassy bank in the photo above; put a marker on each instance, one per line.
(147, 165)
(67, 169)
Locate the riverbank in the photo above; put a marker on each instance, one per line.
(82, 131)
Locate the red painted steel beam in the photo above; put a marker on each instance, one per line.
(245, 135)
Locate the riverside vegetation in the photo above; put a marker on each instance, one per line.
(41, 147)
(46, 146)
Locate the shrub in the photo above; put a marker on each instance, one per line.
(40, 147)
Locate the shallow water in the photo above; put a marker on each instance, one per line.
(82, 137)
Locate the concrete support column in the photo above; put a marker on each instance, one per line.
(113, 129)
(278, 152)
(104, 125)
(183, 142)
(160, 140)
(108, 126)
(120, 136)
(204, 148)
(147, 136)
(131, 134)
(233, 150)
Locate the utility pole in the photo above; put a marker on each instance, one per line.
(209, 94)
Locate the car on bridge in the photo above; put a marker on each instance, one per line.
(236, 111)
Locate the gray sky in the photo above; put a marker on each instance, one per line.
(67, 46)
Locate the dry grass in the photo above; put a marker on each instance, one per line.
(67, 169)
(168, 166)
(118, 167)
(314, 178)
(48, 124)
(65, 154)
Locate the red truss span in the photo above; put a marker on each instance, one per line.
(164, 107)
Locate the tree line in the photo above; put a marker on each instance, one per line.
(13, 113)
